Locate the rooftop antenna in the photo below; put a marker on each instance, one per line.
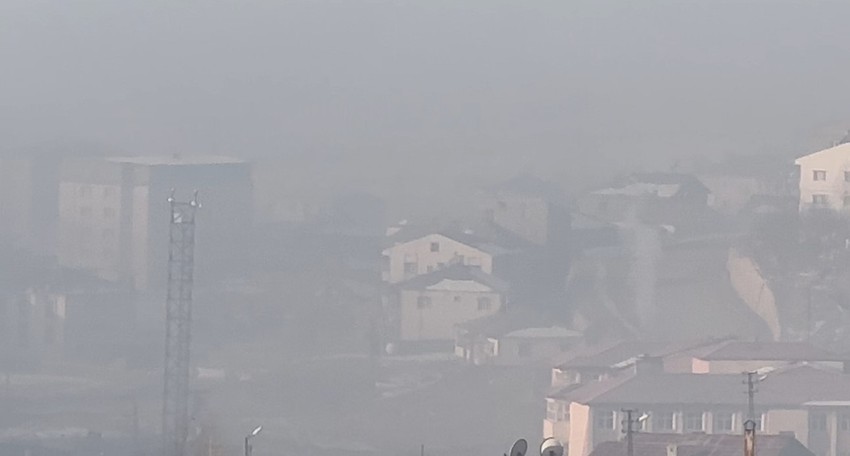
(178, 325)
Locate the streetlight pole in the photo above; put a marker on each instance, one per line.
(248, 448)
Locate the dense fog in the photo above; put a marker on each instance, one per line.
(424, 227)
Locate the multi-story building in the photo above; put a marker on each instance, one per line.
(113, 213)
(590, 365)
(811, 403)
(825, 179)
(427, 308)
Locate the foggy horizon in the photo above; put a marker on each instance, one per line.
(530, 85)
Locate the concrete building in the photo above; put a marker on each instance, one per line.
(530, 208)
(699, 444)
(427, 308)
(514, 338)
(811, 403)
(113, 214)
(825, 179)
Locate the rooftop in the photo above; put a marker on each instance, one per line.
(791, 386)
(658, 185)
(448, 277)
(737, 350)
(839, 149)
(656, 444)
(176, 160)
(608, 355)
(550, 332)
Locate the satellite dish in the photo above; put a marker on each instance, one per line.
(520, 448)
(551, 447)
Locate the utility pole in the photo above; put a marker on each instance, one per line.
(752, 380)
(178, 326)
(628, 428)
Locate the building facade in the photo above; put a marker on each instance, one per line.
(113, 213)
(825, 179)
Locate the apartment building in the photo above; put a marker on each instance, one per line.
(113, 213)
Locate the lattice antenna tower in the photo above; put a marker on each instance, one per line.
(178, 321)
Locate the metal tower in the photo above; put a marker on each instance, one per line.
(178, 330)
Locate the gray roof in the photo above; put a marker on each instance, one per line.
(737, 350)
(607, 355)
(454, 272)
(792, 386)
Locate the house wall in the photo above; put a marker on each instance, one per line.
(519, 351)
(524, 216)
(557, 422)
(418, 252)
(834, 186)
(446, 310)
(792, 420)
(580, 443)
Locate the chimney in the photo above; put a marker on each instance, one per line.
(646, 364)
(672, 449)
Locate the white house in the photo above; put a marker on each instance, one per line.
(428, 307)
(413, 256)
(825, 179)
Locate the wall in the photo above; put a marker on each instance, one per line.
(580, 430)
(527, 217)
(539, 349)
(419, 251)
(834, 162)
(796, 421)
(557, 421)
(754, 290)
(437, 322)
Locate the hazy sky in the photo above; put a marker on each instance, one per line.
(531, 82)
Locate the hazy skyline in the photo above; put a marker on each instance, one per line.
(532, 84)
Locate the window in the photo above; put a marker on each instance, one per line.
(484, 304)
(85, 211)
(664, 421)
(410, 268)
(819, 175)
(557, 411)
(817, 421)
(819, 199)
(108, 212)
(693, 421)
(502, 205)
(724, 422)
(844, 422)
(423, 302)
(604, 419)
(457, 298)
(846, 176)
(435, 246)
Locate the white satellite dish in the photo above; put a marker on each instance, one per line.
(551, 447)
(520, 448)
